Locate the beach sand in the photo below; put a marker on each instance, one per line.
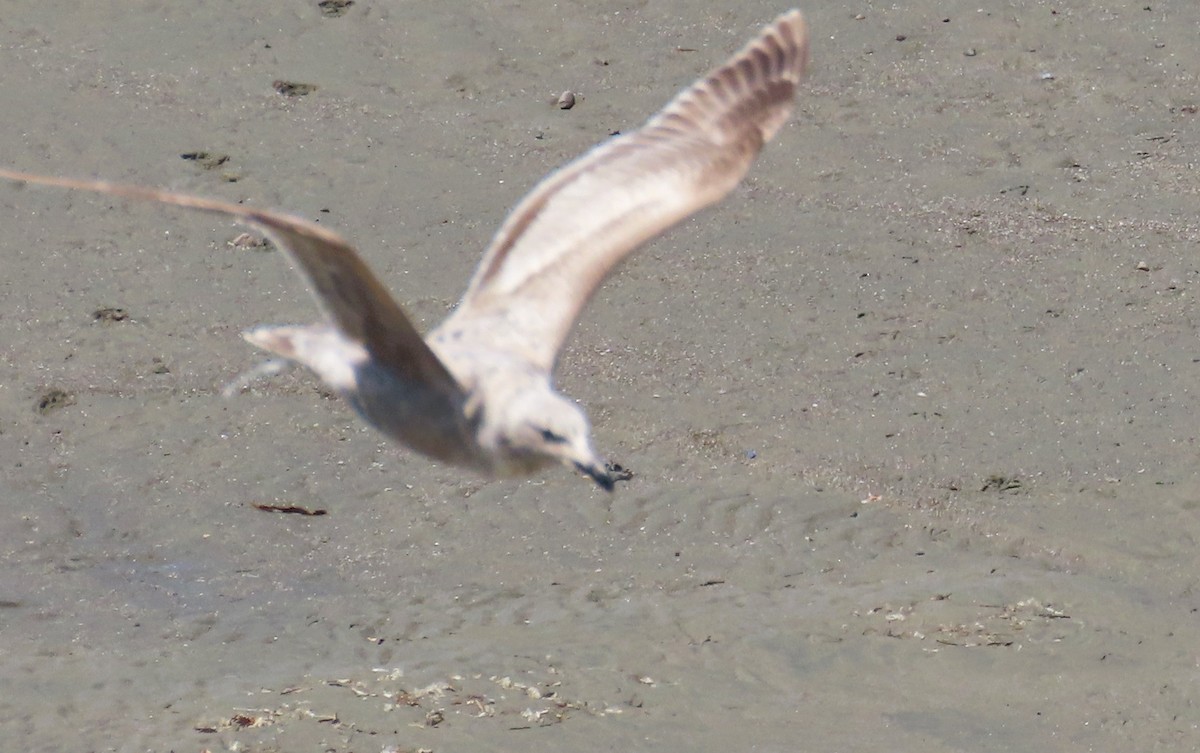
(912, 415)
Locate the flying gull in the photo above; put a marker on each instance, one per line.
(477, 392)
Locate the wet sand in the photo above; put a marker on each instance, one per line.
(912, 414)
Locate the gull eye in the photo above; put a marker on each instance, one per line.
(552, 438)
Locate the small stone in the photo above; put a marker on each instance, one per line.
(110, 314)
(1143, 266)
(334, 8)
(51, 400)
(565, 101)
(970, 52)
(249, 240)
(206, 160)
(293, 88)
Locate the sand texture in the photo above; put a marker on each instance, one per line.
(912, 415)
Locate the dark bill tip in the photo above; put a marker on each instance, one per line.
(601, 476)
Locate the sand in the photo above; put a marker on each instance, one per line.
(912, 415)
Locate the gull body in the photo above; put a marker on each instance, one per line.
(478, 391)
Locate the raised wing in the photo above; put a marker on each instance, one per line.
(347, 292)
(565, 236)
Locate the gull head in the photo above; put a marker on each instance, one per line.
(540, 427)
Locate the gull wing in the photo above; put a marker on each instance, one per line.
(560, 242)
(348, 293)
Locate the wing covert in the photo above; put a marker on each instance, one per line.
(566, 235)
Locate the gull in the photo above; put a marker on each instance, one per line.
(478, 390)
